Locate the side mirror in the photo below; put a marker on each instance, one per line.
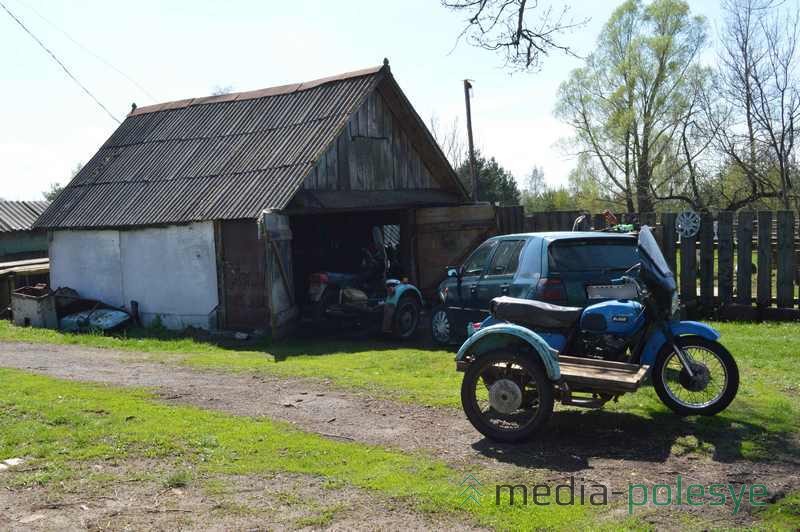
(452, 272)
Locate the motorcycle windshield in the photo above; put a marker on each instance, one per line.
(654, 265)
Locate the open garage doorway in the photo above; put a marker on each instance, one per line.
(339, 243)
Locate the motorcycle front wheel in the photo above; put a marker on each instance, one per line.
(709, 390)
(507, 396)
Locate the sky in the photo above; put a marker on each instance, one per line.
(177, 49)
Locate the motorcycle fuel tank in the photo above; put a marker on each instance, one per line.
(621, 317)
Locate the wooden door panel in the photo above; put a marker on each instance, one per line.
(244, 275)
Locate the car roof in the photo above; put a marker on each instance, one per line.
(551, 236)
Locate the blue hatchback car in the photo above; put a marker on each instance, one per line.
(555, 267)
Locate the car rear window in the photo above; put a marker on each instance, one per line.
(591, 255)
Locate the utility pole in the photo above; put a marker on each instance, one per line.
(472, 169)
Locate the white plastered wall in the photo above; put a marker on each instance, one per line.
(170, 271)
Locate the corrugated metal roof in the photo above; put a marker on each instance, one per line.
(221, 157)
(19, 215)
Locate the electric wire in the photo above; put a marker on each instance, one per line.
(62, 65)
(90, 52)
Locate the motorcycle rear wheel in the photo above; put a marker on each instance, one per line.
(507, 396)
(710, 391)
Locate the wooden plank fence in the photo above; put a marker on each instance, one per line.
(740, 265)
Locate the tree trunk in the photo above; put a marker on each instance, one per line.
(644, 201)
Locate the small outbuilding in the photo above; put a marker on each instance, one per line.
(23, 250)
(212, 212)
(18, 239)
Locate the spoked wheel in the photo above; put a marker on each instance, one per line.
(506, 396)
(709, 390)
(441, 327)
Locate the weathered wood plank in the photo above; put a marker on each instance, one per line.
(363, 120)
(343, 161)
(744, 257)
(648, 218)
(688, 274)
(785, 280)
(725, 257)
(372, 115)
(707, 261)
(669, 238)
(331, 170)
(764, 282)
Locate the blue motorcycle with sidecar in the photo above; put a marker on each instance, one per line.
(528, 354)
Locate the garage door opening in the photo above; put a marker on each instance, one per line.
(348, 243)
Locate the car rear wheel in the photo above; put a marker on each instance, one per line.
(441, 326)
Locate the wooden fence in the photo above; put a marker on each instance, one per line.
(739, 266)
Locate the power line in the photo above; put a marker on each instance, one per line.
(62, 65)
(90, 52)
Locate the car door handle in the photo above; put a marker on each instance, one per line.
(473, 288)
(504, 289)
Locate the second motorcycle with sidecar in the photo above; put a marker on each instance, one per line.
(528, 354)
(368, 301)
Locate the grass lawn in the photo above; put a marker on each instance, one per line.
(58, 424)
(766, 408)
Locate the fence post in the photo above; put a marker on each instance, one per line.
(668, 239)
(688, 270)
(764, 283)
(648, 218)
(785, 279)
(725, 257)
(744, 258)
(707, 262)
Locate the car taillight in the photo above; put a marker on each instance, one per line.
(551, 290)
(318, 278)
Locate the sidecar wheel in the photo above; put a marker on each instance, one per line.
(507, 396)
(710, 391)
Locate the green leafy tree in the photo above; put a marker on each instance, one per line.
(626, 103)
(55, 188)
(495, 183)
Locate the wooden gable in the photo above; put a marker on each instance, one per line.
(373, 152)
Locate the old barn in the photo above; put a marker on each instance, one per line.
(212, 212)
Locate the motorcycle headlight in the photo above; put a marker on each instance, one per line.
(675, 307)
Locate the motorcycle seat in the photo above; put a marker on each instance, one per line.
(534, 314)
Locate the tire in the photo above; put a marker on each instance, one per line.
(329, 297)
(441, 326)
(705, 353)
(528, 367)
(406, 318)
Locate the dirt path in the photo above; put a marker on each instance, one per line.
(611, 448)
(309, 405)
(126, 501)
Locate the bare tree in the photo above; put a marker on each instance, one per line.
(760, 74)
(690, 170)
(221, 90)
(522, 31)
(450, 138)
